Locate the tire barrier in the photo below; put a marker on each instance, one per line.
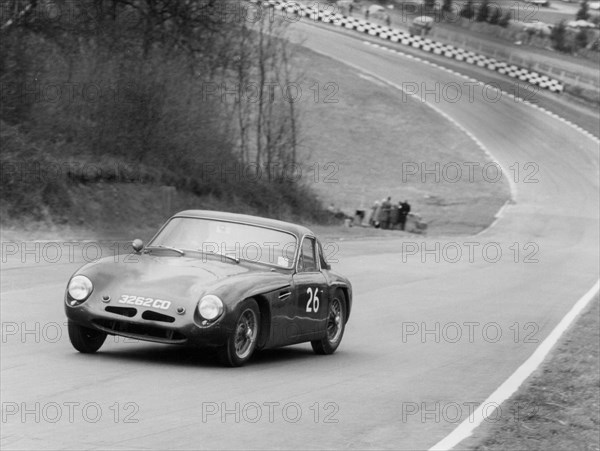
(418, 42)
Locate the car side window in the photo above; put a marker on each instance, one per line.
(307, 261)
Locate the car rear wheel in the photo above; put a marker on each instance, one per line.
(242, 342)
(84, 339)
(335, 326)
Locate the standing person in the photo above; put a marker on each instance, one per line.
(404, 211)
(376, 215)
(395, 216)
(388, 20)
(372, 214)
(350, 8)
(386, 208)
(367, 14)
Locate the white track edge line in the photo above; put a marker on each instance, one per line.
(480, 83)
(510, 386)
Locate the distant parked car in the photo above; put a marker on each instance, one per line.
(539, 2)
(421, 26)
(581, 24)
(541, 28)
(374, 10)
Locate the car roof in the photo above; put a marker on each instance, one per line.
(296, 229)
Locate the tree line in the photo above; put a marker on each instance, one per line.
(158, 84)
(561, 37)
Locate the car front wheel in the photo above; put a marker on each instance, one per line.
(242, 342)
(335, 326)
(84, 339)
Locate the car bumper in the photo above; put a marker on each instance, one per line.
(183, 330)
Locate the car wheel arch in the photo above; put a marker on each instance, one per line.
(344, 290)
(264, 309)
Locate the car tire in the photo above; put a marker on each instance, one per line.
(336, 324)
(242, 342)
(84, 339)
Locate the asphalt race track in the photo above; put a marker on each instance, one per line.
(390, 385)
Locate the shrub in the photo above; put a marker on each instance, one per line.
(32, 183)
(468, 10)
(505, 19)
(558, 36)
(483, 12)
(581, 39)
(495, 16)
(583, 12)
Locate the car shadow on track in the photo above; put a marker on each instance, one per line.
(286, 354)
(194, 357)
(162, 354)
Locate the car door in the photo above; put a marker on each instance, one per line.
(310, 293)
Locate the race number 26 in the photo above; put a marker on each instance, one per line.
(313, 300)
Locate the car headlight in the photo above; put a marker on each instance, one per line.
(210, 307)
(80, 287)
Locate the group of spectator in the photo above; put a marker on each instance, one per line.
(384, 215)
(388, 215)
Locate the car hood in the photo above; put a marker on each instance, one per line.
(166, 277)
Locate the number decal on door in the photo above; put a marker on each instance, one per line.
(312, 299)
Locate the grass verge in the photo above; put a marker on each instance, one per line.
(562, 398)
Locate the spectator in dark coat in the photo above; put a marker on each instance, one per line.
(395, 216)
(386, 210)
(404, 211)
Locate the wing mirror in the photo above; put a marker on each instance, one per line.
(137, 245)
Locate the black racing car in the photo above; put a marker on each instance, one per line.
(212, 279)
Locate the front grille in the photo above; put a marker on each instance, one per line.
(125, 311)
(141, 331)
(155, 316)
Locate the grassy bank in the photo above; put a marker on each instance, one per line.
(371, 132)
(562, 398)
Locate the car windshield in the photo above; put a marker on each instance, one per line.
(230, 239)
